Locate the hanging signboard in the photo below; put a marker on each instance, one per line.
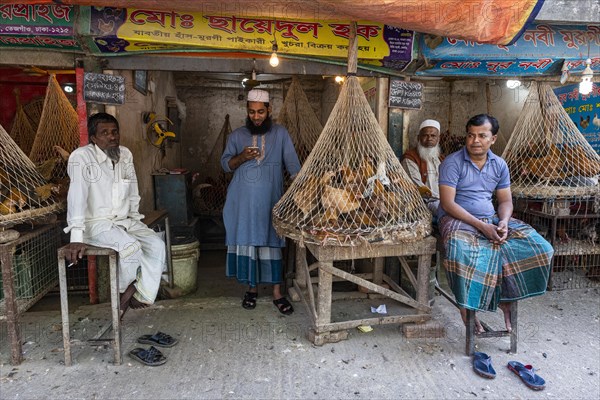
(133, 30)
(583, 110)
(407, 95)
(562, 41)
(103, 88)
(541, 49)
(495, 68)
(37, 26)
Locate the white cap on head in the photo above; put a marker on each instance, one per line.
(258, 95)
(428, 123)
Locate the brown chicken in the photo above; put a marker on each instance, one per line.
(47, 168)
(7, 207)
(581, 163)
(17, 197)
(307, 198)
(548, 166)
(340, 199)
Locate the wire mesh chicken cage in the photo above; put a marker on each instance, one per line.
(554, 181)
(32, 262)
(24, 194)
(352, 189)
(572, 226)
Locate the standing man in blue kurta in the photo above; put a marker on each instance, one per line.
(257, 153)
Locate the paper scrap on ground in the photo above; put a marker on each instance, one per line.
(379, 310)
(364, 328)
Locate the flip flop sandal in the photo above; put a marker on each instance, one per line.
(152, 357)
(158, 339)
(284, 306)
(527, 375)
(249, 302)
(482, 365)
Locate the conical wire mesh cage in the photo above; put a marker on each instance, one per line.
(299, 118)
(22, 131)
(547, 155)
(352, 188)
(466, 100)
(58, 126)
(24, 195)
(34, 109)
(210, 185)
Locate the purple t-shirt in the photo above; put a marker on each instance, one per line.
(474, 187)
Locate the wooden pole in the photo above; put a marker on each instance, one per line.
(352, 50)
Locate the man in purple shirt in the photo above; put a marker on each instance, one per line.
(491, 259)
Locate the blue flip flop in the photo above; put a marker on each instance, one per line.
(482, 365)
(527, 375)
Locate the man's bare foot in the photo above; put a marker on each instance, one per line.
(478, 327)
(136, 304)
(505, 307)
(125, 299)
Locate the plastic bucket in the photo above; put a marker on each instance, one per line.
(185, 265)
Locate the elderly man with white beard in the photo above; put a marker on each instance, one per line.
(422, 163)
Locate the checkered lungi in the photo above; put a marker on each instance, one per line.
(253, 265)
(481, 274)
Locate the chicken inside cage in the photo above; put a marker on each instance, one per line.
(572, 226)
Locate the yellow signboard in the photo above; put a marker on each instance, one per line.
(150, 29)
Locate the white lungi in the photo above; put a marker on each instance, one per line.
(142, 257)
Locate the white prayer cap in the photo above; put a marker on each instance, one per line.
(430, 122)
(258, 95)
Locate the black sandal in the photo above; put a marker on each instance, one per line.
(152, 356)
(284, 306)
(249, 302)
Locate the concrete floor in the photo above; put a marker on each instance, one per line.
(228, 352)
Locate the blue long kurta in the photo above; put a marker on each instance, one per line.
(256, 186)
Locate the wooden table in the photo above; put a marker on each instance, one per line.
(319, 307)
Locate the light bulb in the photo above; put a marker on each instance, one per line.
(586, 85)
(274, 60)
(339, 79)
(513, 83)
(68, 88)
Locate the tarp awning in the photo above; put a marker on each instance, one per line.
(484, 21)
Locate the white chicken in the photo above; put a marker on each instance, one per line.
(596, 121)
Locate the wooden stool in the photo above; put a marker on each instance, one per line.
(489, 332)
(470, 327)
(114, 299)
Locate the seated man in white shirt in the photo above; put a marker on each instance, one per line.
(103, 211)
(422, 163)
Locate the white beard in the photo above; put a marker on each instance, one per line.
(428, 154)
(114, 153)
